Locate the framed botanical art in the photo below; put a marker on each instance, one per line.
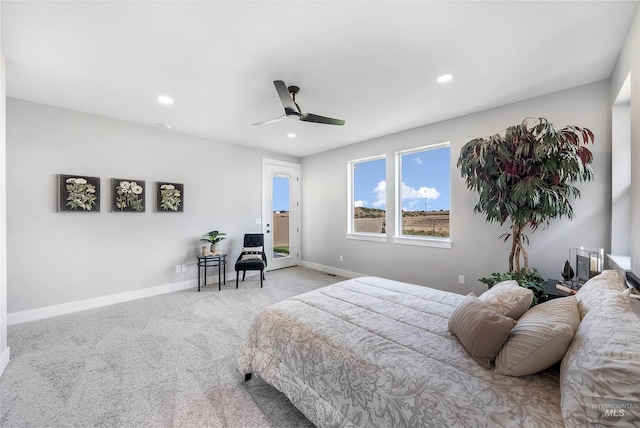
(78, 193)
(127, 195)
(169, 197)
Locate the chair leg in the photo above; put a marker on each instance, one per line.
(244, 272)
(261, 275)
(237, 275)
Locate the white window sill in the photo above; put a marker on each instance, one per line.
(619, 262)
(374, 237)
(423, 242)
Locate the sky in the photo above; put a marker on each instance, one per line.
(281, 194)
(425, 177)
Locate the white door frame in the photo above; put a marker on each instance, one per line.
(269, 167)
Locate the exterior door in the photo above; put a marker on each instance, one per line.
(281, 213)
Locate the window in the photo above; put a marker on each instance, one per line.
(367, 198)
(422, 195)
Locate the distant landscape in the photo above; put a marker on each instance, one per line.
(373, 220)
(419, 223)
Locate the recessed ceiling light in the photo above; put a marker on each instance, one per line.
(445, 78)
(163, 99)
(291, 135)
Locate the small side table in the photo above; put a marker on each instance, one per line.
(219, 261)
(553, 292)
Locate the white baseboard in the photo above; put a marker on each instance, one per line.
(332, 270)
(4, 359)
(83, 305)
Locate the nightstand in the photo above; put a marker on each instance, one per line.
(553, 292)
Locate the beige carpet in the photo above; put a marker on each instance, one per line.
(162, 361)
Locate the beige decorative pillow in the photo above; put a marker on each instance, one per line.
(251, 253)
(508, 298)
(480, 329)
(540, 339)
(598, 289)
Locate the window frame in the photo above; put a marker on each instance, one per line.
(351, 233)
(424, 241)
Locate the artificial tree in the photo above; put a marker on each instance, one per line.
(525, 177)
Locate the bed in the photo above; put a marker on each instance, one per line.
(371, 352)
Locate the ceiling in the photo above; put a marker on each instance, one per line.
(372, 63)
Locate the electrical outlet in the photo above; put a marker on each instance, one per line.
(184, 268)
(178, 268)
(341, 258)
(461, 279)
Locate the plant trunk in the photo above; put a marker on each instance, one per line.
(514, 246)
(517, 250)
(525, 257)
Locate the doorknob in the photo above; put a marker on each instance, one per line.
(268, 231)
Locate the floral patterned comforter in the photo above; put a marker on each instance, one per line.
(370, 352)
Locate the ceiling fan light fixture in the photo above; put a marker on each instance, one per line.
(444, 78)
(291, 135)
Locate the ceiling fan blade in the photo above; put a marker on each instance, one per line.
(275, 119)
(289, 105)
(310, 117)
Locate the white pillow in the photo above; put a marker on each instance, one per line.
(540, 338)
(251, 253)
(508, 298)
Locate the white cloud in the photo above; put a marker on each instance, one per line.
(418, 161)
(415, 196)
(381, 194)
(359, 203)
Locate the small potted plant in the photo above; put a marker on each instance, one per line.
(213, 238)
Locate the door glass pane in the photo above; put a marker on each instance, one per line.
(281, 210)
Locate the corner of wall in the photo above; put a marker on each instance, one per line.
(4, 349)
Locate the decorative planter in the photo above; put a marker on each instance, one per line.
(215, 249)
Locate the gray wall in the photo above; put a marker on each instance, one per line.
(629, 61)
(476, 250)
(56, 258)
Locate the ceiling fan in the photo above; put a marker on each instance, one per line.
(292, 109)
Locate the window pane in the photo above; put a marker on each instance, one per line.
(281, 208)
(369, 196)
(425, 192)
